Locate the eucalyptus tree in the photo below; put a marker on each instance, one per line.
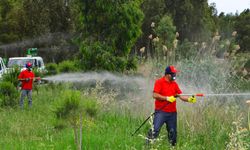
(192, 18)
(109, 30)
(243, 30)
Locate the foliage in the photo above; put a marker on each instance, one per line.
(247, 64)
(67, 66)
(52, 68)
(8, 94)
(194, 21)
(40, 24)
(12, 75)
(243, 29)
(226, 25)
(238, 136)
(166, 31)
(187, 50)
(67, 105)
(111, 33)
(99, 56)
(72, 103)
(71, 108)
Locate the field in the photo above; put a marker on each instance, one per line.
(106, 121)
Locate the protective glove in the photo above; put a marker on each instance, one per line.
(171, 99)
(192, 99)
(27, 79)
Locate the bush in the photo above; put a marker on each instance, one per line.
(247, 65)
(8, 94)
(12, 76)
(72, 102)
(68, 103)
(100, 56)
(52, 68)
(90, 106)
(67, 66)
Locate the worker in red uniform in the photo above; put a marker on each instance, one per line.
(165, 91)
(26, 77)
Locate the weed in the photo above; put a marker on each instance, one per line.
(237, 136)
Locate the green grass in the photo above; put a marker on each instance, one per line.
(34, 129)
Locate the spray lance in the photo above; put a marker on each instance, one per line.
(34, 78)
(198, 95)
(217, 94)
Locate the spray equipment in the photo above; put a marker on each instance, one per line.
(216, 94)
(35, 78)
(198, 95)
(147, 120)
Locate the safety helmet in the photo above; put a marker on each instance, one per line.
(28, 65)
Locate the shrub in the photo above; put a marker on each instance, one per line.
(100, 56)
(72, 102)
(68, 103)
(70, 111)
(247, 65)
(12, 76)
(52, 68)
(90, 106)
(67, 66)
(8, 94)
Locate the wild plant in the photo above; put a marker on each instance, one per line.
(151, 142)
(8, 94)
(248, 118)
(104, 98)
(238, 136)
(73, 109)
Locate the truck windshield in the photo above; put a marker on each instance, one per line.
(19, 62)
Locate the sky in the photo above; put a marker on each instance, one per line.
(230, 6)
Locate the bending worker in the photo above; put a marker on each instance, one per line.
(165, 90)
(26, 77)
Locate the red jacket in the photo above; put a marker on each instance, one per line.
(166, 88)
(26, 85)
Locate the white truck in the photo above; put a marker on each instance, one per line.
(36, 61)
(2, 67)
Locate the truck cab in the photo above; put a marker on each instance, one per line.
(37, 62)
(2, 67)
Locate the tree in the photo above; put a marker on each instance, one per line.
(113, 25)
(7, 22)
(193, 19)
(166, 32)
(153, 11)
(243, 29)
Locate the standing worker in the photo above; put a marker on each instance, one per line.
(26, 77)
(165, 92)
